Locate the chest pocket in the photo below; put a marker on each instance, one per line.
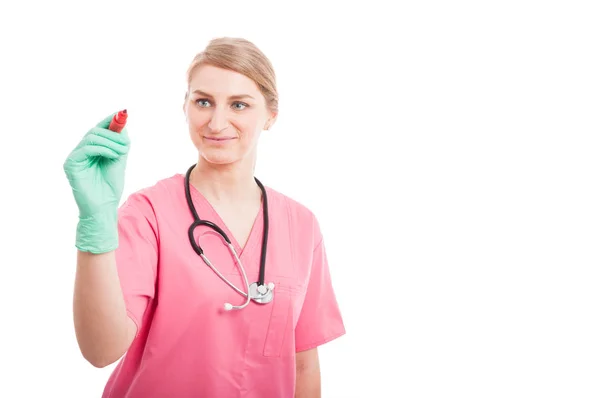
(271, 325)
(284, 314)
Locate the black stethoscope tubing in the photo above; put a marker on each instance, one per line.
(198, 221)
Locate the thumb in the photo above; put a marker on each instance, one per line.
(104, 123)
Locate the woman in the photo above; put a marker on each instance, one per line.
(151, 276)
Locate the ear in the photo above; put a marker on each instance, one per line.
(271, 121)
(184, 106)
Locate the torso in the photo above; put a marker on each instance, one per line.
(206, 350)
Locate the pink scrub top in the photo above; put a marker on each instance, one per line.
(187, 345)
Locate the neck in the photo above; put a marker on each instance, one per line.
(232, 183)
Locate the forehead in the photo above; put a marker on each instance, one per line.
(222, 82)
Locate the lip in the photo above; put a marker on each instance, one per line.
(219, 139)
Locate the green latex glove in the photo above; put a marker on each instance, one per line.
(96, 172)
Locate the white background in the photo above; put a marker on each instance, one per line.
(449, 150)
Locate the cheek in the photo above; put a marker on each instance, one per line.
(248, 125)
(197, 119)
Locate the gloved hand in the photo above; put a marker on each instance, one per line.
(96, 172)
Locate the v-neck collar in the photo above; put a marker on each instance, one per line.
(255, 236)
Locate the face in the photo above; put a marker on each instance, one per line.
(226, 113)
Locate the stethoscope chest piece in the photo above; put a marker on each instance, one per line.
(262, 294)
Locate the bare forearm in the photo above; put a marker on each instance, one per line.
(101, 322)
(308, 374)
(308, 385)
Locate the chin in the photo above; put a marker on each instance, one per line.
(219, 158)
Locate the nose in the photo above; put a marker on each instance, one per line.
(218, 121)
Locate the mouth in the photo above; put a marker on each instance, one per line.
(219, 139)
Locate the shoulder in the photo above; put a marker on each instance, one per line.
(301, 217)
(162, 191)
(297, 209)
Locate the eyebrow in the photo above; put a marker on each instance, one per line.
(239, 96)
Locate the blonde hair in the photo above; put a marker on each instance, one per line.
(241, 56)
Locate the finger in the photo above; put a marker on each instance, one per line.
(100, 140)
(104, 123)
(90, 151)
(118, 138)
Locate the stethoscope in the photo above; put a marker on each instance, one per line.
(257, 291)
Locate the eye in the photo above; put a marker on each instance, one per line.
(237, 105)
(203, 102)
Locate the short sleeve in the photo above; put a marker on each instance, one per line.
(320, 319)
(137, 254)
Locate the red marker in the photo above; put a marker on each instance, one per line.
(118, 121)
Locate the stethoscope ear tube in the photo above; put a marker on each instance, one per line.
(196, 248)
(263, 251)
(210, 224)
